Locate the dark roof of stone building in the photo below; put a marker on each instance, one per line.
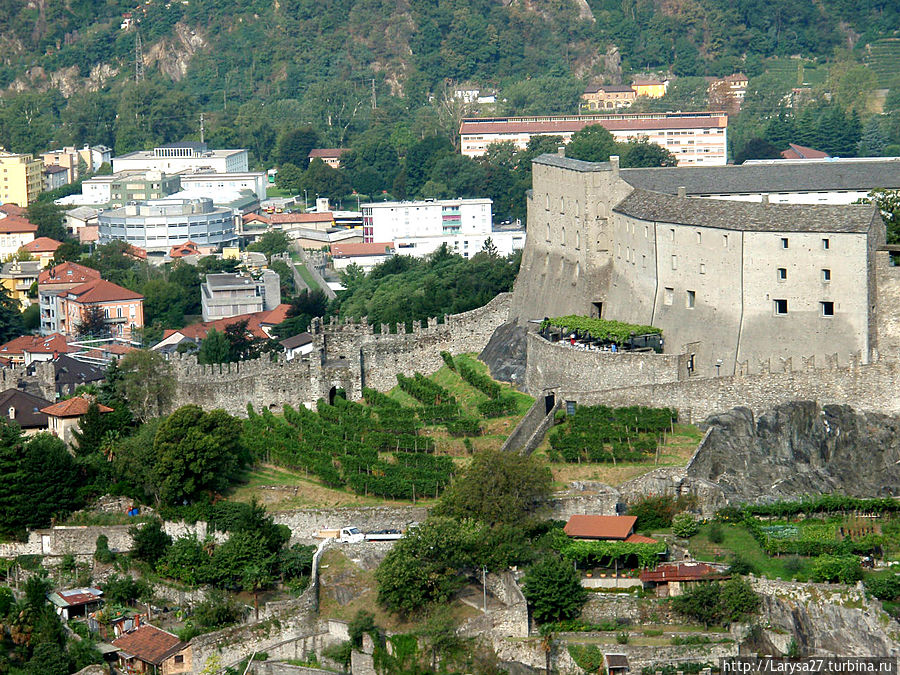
(746, 216)
(573, 164)
(824, 176)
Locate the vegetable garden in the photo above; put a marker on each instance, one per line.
(601, 330)
(601, 434)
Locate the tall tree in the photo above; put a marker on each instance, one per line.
(215, 348)
(11, 323)
(197, 453)
(593, 143)
(553, 589)
(294, 146)
(146, 383)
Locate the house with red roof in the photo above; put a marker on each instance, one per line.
(148, 649)
(795, 151)
(605, 528)
(15, 232)
(63, 417)
(295, 224)
(26, 349)
(331, 156)
(259, 325)
(123, 310)
(181, 250)
(671, 579)
(42, 249)
(364, 254)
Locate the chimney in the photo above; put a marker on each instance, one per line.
(614, 163)
(765, 199)
(682, 191)
(561, 151)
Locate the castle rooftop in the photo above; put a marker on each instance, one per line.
(747, 216)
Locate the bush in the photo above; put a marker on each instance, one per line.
(102, 554)
(340, 653)
(622, 638)
(657, 512)
(685, 525)
(553, 589)
(843, 569)
(150, 541)
(448, 360)
(884, 587)
(739, 565)
(715, 533)
(218, 611)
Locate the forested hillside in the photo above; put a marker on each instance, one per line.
(260, 68)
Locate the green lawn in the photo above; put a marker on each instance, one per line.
(738, 540)
(307, 277)
(272, 191)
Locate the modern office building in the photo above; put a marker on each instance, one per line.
(177, 157)
(156, 225)
(227, 295)
(419, 228)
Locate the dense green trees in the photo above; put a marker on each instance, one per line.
(198, 453)
(497, 487)
(405, 289)
(40, 479)
(553, 590)
(713, 602)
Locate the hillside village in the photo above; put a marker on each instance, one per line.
(468, 338)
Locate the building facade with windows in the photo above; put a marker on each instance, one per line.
(123, 310)
(739, 286)
(177, 157)
(156, 225)
(420, 228)
(694, 138)
(21, 178)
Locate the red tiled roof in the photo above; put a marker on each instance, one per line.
(285, 218)
(802, 152)
(181, 250)
(13, 209)
(255, 322)
(326, 152)
(80, 596)
(136, 252)
(37, 344)
(100, 290)
(682, 572)
(361, 248)
(571, 126)
(255, 217)
(640, 539)
(67, 273)
(273, 317)
(149, 644)
(73, 407)
(88, 234)
(600, 527)
(16, 224)
(42, 244)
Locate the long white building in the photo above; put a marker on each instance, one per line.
(419, 228)
(178, 157)
(695, 138)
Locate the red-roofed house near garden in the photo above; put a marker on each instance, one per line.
(63, 417)
(148, 649)
(123, 309)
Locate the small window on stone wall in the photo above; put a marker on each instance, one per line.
(577, 239)
(668, 296)
(563, 239)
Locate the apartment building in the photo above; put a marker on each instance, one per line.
(695, 138)
(21, 178)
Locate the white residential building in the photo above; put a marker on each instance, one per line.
(226, 295)
(178, 157)
(695, 138)
(234, 181)
(419, 228)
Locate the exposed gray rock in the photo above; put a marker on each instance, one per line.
(799, 449)
(504, 354)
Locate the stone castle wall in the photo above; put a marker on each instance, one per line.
(870, 388)
(553, 365)
(349, 356)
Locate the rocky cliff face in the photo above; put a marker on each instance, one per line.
(799, 449)
(823, 620)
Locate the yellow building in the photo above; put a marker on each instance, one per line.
(17, 277)
(21, 178)
(649, 88)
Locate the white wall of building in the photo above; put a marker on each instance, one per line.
(219, 161)
(255, 181)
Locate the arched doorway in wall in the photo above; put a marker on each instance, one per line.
(549, 403)
(332, 393)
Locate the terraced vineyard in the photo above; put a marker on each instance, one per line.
(883, 58)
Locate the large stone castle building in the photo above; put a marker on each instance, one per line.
(735, 280)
